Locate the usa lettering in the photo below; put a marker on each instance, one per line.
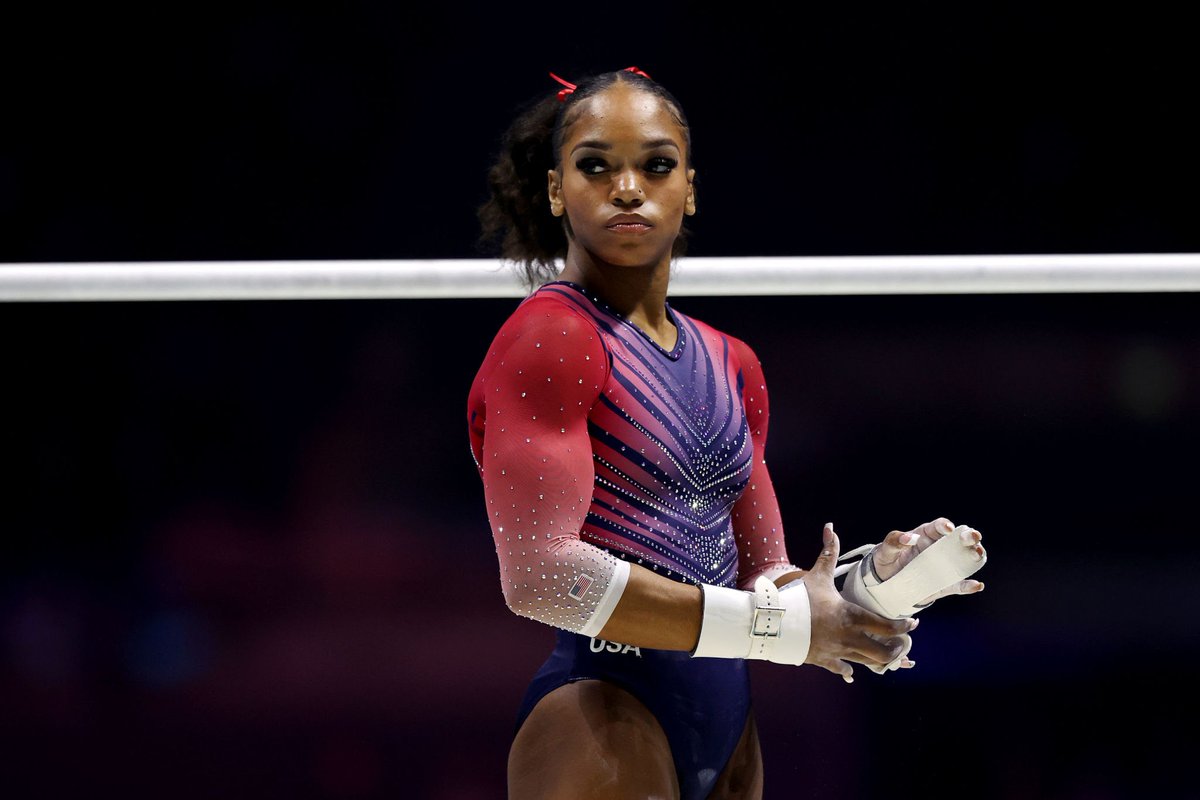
(600, 645)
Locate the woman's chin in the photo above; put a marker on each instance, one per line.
(632, 258)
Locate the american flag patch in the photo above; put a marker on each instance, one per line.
(582, 584)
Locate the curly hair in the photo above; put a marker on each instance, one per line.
(517, 214)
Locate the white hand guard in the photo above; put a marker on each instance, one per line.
(769, 623)
(942, 564)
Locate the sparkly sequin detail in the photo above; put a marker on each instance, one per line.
(594, 442)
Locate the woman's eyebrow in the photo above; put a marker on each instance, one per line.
(599, 144)
(650, 145)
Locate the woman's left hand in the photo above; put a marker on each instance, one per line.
(901, 547)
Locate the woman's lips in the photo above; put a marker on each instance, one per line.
(629, 227)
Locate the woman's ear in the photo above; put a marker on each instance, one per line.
(689, 206)
(554, 189)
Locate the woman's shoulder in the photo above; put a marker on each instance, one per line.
(742, 351)
(553, 323)
(553, 306)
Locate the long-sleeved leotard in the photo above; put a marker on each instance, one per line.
(597, 446)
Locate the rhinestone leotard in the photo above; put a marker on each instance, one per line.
(594, 444)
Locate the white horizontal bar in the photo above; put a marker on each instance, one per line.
(477, 278)
(1133, 272)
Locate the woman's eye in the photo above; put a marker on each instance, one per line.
(661, 165)
(590, 166)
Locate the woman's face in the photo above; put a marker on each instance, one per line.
(623, 181)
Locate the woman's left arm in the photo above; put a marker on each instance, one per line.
(757, 526)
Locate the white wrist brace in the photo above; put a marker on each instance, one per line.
(943, 563)
(769, 623)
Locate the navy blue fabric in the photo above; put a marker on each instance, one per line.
(701, 703)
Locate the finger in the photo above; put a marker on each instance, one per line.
(931, 532)
(879, 651)
(968, 586)
(826, 562)
(906, 661)
(838, 667)
(935, 529)
(970, 537)
(878, 625)
(894, 545)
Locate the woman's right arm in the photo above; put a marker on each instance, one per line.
(547, 369)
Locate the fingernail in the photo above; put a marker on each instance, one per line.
(911, 663)
(967, 537)
(913, 625)
(848, 678)
(980, 589)
(909, 538)
(945, 527)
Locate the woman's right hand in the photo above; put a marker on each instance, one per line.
(842, 631)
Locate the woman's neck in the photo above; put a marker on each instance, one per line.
(638, 294)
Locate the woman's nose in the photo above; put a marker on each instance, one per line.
(627, 189)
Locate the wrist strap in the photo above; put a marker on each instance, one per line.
(763, 624)
(767, 623)
(726, 621)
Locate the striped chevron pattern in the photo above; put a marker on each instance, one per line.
(671, 444)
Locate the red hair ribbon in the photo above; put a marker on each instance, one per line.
(562, 93)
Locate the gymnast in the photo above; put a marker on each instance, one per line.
(621, 447)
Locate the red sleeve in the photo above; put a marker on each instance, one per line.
(756, 521)
(546, 368)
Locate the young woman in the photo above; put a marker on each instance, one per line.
(621, 443)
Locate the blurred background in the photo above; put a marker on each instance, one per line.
(230, 527)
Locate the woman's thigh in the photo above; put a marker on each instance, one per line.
(591, 740)
(742, 778)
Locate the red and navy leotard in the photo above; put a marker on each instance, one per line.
(597, 445)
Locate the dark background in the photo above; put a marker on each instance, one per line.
(232, 528)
